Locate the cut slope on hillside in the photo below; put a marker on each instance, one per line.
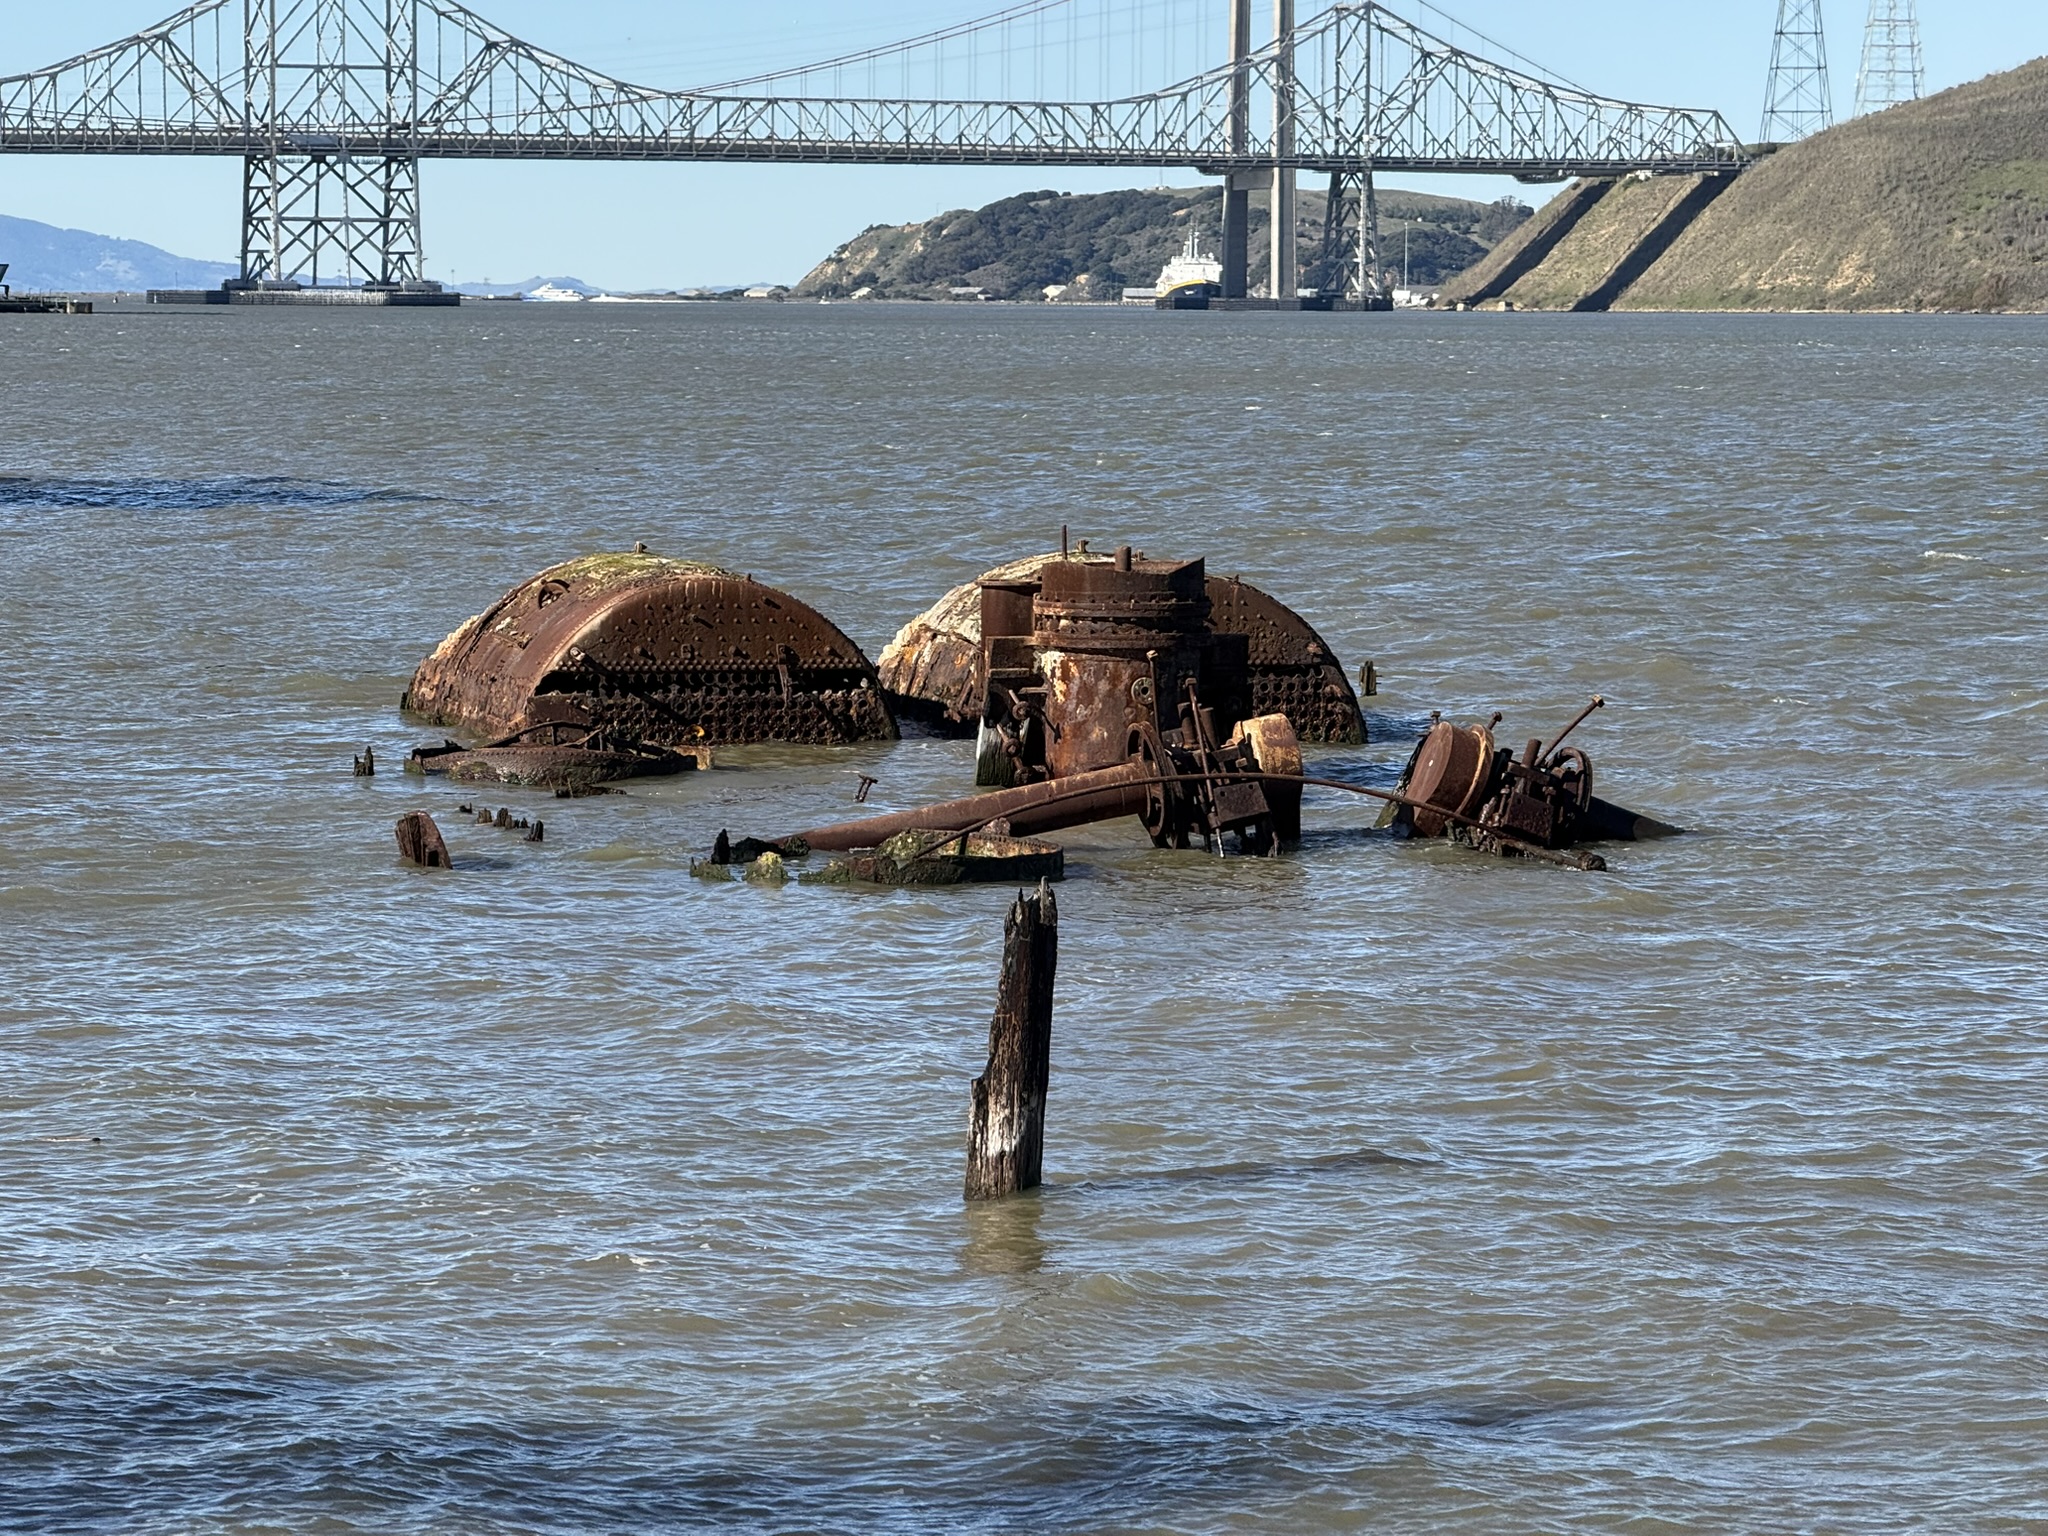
(1600, 242)
(1096, 244)
(1940, 204)
(1529, 243)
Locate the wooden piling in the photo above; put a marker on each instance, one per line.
(420, 841)
(1006, 1127)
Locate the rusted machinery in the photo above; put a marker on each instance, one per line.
(1085, 663)
(1183, 783)
(937, 669)
(1180, 784)
(652, 651)
(1459, 784)
(1100, 687)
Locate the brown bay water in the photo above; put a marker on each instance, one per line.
(1389, 1188)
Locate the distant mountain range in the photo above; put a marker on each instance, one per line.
(41, 258)
(44, 258)
(503, 290)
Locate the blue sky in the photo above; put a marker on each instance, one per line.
(662, 225)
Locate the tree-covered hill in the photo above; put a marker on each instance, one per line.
(1093, 245)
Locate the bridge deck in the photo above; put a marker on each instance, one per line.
(852, 152)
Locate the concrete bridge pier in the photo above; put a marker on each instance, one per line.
(1285, 266)
(1237, 190)
(1237, 233)
(1284, 263)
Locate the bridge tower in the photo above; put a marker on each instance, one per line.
(1349, 263)
(329, 84)
(1284, 266)
(1893, 70)
(1798, 102)
(1237, 191)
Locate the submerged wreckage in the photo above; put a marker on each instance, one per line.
(666, 653)
(1097, 687)
(938, 668)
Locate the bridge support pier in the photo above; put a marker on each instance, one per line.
(1285, 282)
(310, 217)
(1285, 265)
(1349, 265)
(1237, 190)
(1237, 236)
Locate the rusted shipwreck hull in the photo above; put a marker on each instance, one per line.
(666, 652)
(934, 672)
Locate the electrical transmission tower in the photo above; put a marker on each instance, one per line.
(1892, 69)
(1799, 100)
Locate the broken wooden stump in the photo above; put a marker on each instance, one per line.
(420, 841)
(1006, 1127)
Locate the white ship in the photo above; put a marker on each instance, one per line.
(1189, 271)
(548, 293)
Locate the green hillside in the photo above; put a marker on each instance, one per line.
(1940, 204)
(1096, 244)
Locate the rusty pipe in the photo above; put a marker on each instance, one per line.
(1102, 794)
(1577, 720)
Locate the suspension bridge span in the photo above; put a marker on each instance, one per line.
(332, 104)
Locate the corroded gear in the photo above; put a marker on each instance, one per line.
(932, 669)
(669, 652)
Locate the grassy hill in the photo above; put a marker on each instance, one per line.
(1098, 243)
(1940, 204)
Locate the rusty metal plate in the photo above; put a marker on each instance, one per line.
(1293, 673)
(931, 670)
(670, 652)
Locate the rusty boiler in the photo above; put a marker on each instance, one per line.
(1097, 651)
(640, 649)
(935, 671)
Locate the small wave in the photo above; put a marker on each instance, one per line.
(150, 493)
(1946, 554)
(615, 1259)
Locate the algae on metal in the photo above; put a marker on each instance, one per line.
(602, 572)
(929, 857)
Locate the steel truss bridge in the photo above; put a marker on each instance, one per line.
(332, 104)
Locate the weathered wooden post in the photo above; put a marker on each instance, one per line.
(420, 841)
(1006, 1128)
